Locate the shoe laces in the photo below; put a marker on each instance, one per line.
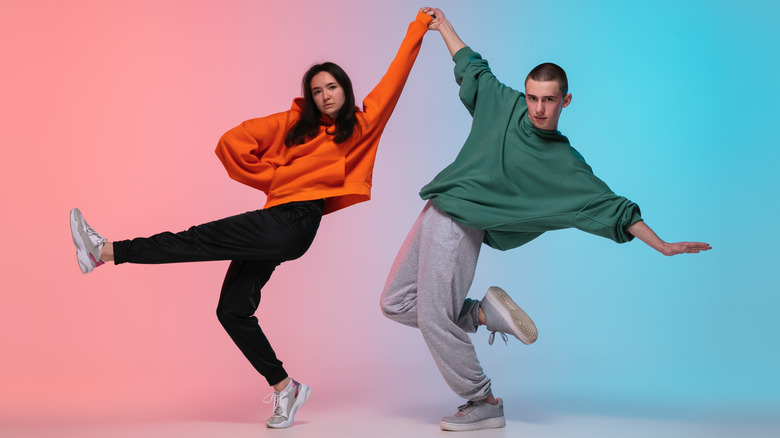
(493, 337)
(274, 397)
(93, 235)
(465, 409)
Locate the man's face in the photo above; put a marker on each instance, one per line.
(545, 103)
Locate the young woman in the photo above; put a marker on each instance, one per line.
(311, 160)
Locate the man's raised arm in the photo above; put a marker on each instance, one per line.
(441, 24)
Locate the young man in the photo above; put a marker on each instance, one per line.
(515, 178)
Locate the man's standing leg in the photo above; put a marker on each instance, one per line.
(448, 254)
(429, 280)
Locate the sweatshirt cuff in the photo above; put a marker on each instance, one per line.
(631, 215)
(423, 18)
(465, 52)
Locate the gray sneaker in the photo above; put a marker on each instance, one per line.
(286, 403)
(504, 316)
(475, 416)
(88, 242)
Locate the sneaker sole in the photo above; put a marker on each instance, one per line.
(490, 423)
(300, 401)
(523, 327)
(82, 255)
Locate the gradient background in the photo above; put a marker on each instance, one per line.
(115, 107)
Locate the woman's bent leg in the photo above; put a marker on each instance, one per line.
(238, 302)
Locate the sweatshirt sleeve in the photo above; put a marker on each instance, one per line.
(609, 215)
(242, 148)
(381, 101)
(477, 82)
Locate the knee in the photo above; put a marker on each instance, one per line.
(228, 316)
(402, 313)
(397, 299)
(388, 309)
(298, 246)
(223, 315)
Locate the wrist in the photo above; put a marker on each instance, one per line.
(446, 26)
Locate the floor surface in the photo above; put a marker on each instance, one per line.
(361, 423)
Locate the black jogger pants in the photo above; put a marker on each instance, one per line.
(256, 242)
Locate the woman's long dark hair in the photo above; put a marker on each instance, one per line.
(309, 123)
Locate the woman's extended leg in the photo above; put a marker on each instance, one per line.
(283, 232)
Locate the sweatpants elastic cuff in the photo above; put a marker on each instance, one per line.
(276, 378)
(120, 251)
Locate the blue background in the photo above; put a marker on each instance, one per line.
(674, 106)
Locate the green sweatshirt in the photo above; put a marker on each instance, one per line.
(516, 181)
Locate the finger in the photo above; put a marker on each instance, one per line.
(697, 245)
(695, 249)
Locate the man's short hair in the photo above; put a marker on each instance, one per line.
(550, 72)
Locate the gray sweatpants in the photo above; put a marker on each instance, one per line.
(427, 288)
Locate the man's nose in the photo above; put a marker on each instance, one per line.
(539, 107)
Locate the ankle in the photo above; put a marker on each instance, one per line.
(281, 386)
(481, 315)
(107, 252)
(490, 399)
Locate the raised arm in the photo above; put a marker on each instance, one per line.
(380, 102)
(641, 231)
(441, 24)
(472, 73)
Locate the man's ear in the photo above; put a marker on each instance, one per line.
(566, 100)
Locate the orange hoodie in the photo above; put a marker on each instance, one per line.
(254, 153)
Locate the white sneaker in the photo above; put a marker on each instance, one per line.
(503, 315)
(286, 403)
(88, 242)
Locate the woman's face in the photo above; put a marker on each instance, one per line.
(327, 93)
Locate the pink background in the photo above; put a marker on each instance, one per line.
(116, 107)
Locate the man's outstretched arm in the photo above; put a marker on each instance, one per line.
(641, 231)
(440, 23)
